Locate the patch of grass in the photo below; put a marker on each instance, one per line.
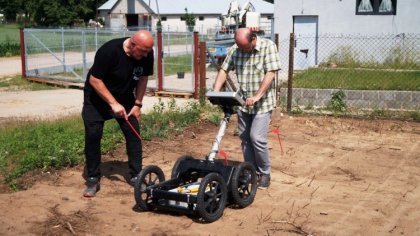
(392, 114)
(39, 145)
(358, 79)
(9, 33)
(17, 83)
(415, 115)
(47, 144)
(178, 64)
(42, 145)
(169, 118)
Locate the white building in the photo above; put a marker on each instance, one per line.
(138, 13)
(312, 19)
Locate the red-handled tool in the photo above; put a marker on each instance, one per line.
(133, 129)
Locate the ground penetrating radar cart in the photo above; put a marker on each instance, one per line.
(202, 187)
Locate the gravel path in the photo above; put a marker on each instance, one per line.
(51, 104)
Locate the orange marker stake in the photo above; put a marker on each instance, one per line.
(276, 131)
(224, 155)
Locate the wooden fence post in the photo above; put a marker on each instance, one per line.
(196, 66)
(203, 57)
(22, 52)
(290, 75)
(159, 61)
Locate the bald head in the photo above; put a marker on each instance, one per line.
(245, 39)
(141, 43)
(143, 37)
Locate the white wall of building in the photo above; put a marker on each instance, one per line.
(208, 25)
(339, 17)
(174, 23)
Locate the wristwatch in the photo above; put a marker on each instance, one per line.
(140, 105)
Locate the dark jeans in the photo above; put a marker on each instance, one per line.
(93, 136)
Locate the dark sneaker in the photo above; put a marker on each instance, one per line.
(264, 182)
(92, 186)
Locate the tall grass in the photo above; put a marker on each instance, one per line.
(9, 40)
(43, 145)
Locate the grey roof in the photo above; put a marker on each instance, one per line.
(108, 5)
(195, 6)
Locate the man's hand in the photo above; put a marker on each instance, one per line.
(118, 110)
(251, 101)
(136, 112)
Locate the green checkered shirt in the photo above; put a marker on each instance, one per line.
(250, 69)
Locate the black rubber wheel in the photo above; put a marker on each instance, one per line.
(244, 184)
(211, 197)
(148, 176)
(176, 168)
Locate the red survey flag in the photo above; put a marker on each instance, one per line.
(276, 131)
(224, 155)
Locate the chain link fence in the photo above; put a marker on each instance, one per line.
(353, 71)
(178, 61)
(68, 54)
(64, 54)
(337, 72)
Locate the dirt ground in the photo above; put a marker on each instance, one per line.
(336, 177)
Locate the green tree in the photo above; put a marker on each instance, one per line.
(9, 9)
(189, 20)
(50, 12)
(159, 25)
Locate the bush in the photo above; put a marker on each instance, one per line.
(337, 103)
(8, 49)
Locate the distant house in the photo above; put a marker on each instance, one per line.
(126, 13)
(138, 13)
(312, 19)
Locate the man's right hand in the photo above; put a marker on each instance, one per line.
(118, 110)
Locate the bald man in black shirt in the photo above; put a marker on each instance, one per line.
(114, 88)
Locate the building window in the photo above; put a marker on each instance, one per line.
(201, 18)
(376, 7)
(163, 18)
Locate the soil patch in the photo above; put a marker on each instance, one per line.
(336, 177)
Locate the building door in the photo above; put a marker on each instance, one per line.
(305, 29)
(132, 20)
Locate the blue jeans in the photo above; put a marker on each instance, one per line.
(253, 131)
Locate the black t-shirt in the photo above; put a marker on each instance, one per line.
(119, 72)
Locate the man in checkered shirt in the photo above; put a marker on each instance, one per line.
(255, 61)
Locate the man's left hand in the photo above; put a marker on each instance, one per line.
(251, 101)
(135, 111)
